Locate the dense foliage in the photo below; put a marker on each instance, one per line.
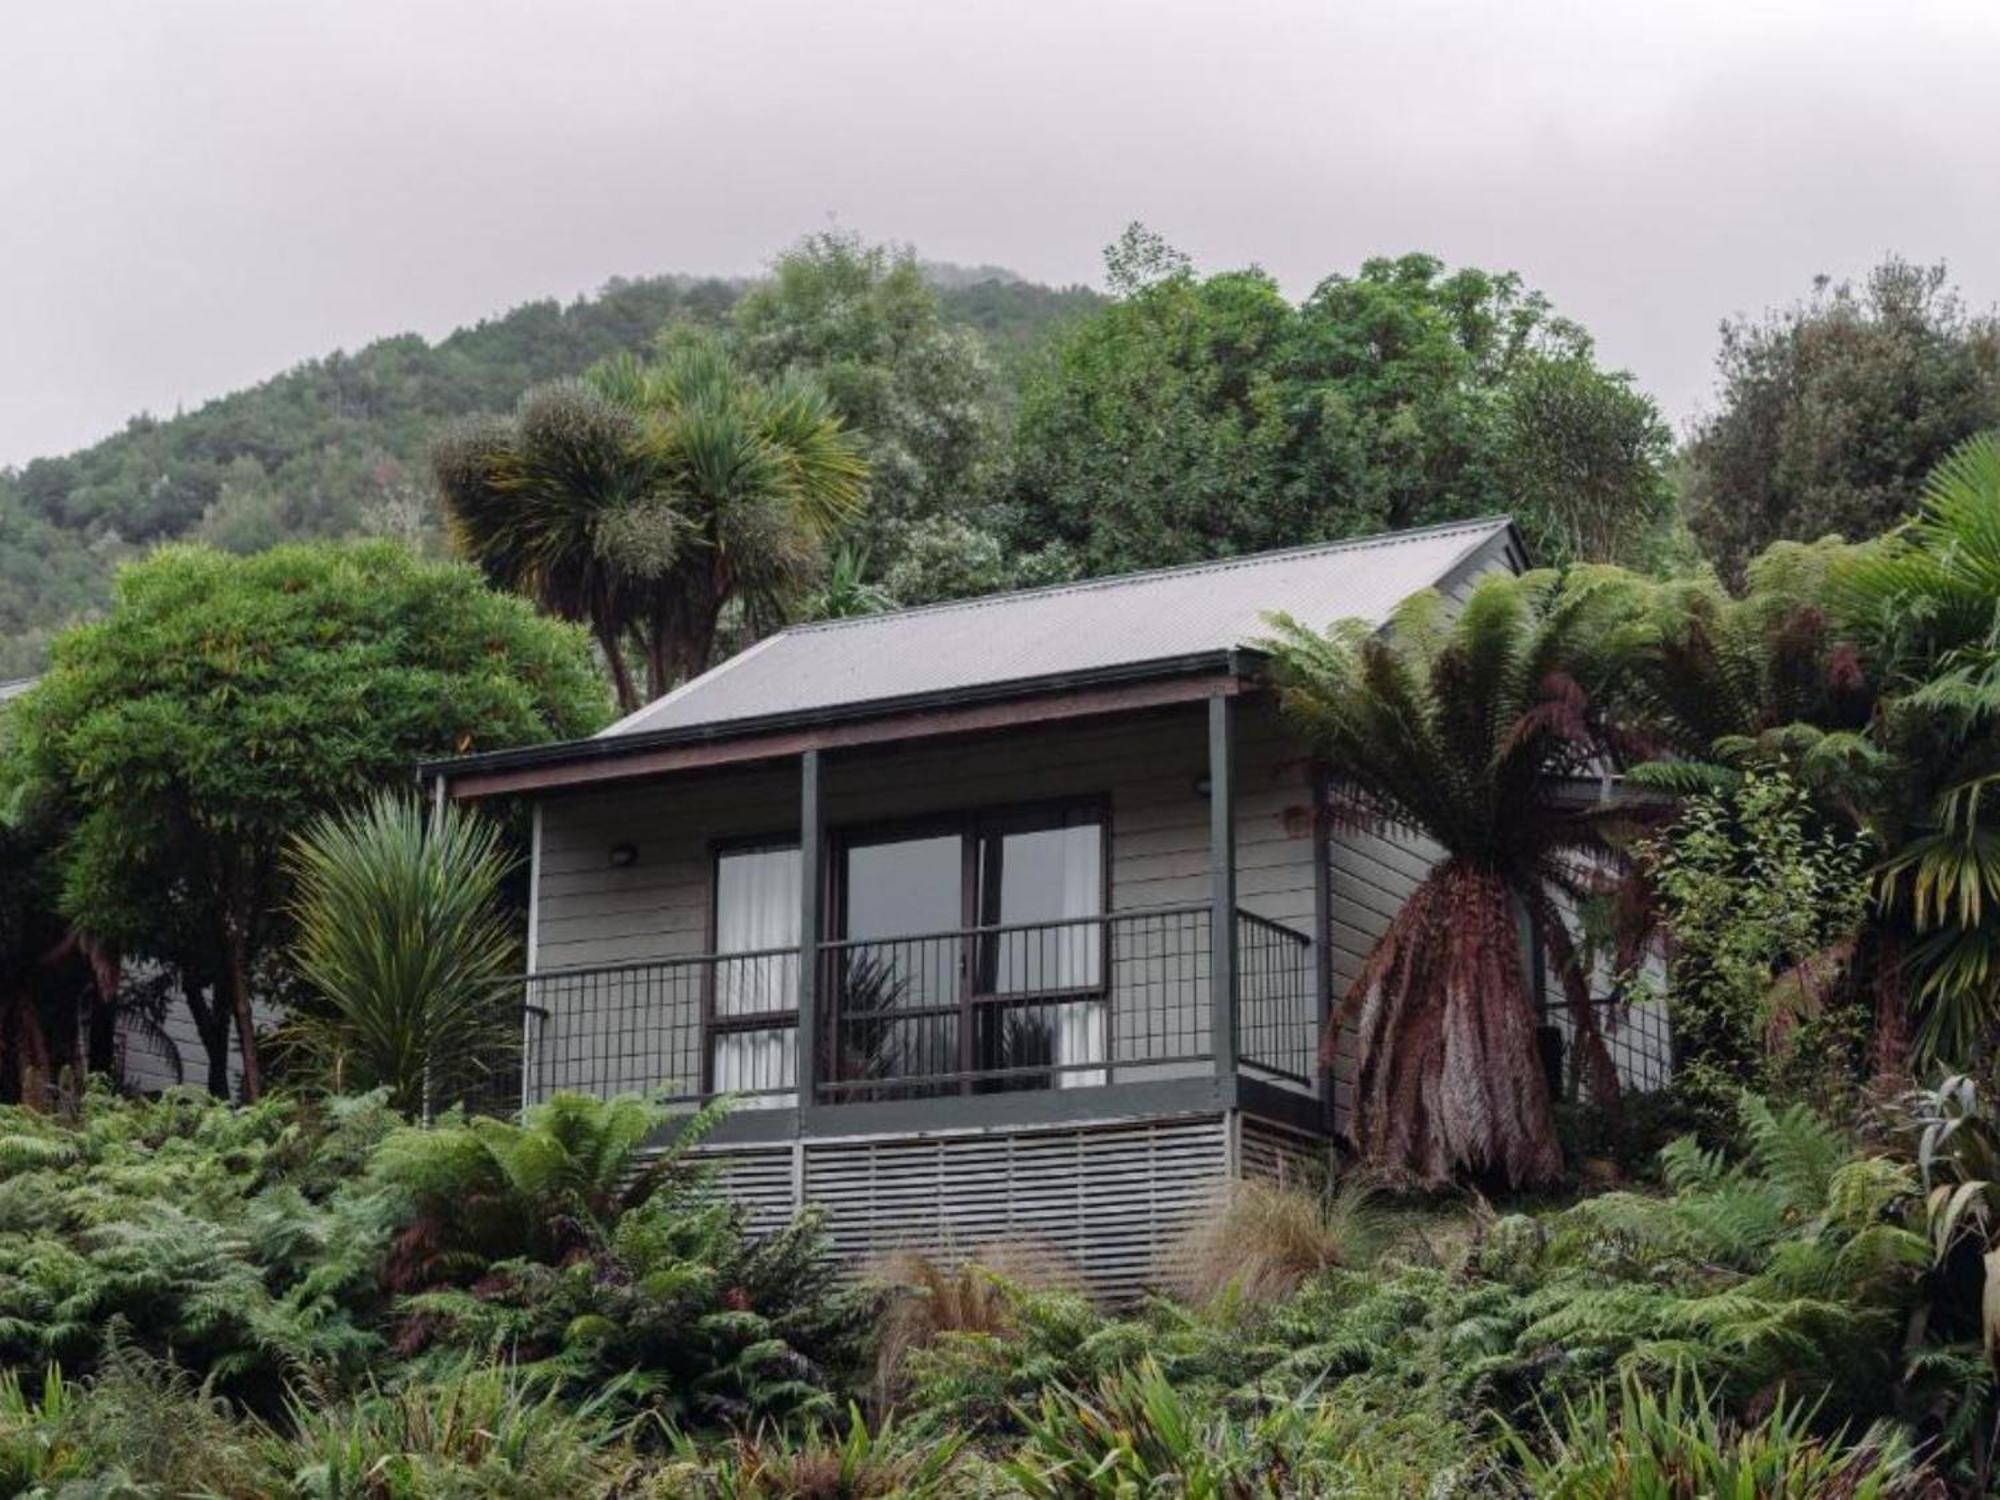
(314, 1299)
(337, 446)
(1197, 417)
(183, 742)
(1832, 411)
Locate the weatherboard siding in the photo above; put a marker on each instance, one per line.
(590, 912)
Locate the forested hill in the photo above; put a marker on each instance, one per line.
(336, 446)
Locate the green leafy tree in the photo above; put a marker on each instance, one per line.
(1761, 904)
(1198, 417)
(1462, 731)
(918, 393)
(225, 702)
(1831, 412)
(403, 946)
(649, 500)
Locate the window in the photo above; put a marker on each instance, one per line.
(972, 951)
(754, 995)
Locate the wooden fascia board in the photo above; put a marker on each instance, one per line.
(663, 760)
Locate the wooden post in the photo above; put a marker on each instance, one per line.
(812, 887)
(1222, 883)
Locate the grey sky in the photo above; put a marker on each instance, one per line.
(198, 193)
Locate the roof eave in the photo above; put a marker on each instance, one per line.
(1236, 662)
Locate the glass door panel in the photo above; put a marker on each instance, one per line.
(1041, 881)
(901, 972)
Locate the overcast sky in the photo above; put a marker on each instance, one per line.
(199, 193)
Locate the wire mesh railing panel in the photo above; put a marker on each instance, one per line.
(1277, 1003)
(1062, 1004)
(1633, 1037)
(1075, 1003)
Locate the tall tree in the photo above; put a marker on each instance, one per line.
(649, 499)
(918, 393)
(226, 701)
(1832, 411)
(1195, 417)
(1462, 731)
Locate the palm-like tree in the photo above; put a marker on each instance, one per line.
(759, 476)
(404, 947)
(648, 499)
(1924, 606)
(1464, 731)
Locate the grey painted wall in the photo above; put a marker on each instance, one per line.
(589, 912)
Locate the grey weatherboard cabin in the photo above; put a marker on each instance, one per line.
(1039, 875)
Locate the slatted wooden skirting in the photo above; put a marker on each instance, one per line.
(1106, 1197)
(1274, 1153)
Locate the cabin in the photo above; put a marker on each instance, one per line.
(1014, 917)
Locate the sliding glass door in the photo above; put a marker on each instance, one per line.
(972, 952)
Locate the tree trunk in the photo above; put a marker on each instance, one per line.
(1451, 1080)
(615, 664)
(246, 1020)
(31, 1048)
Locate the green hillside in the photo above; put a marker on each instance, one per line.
(335, 447)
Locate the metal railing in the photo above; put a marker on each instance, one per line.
(1277, 1002)
(1064, 1004)
(688, 1027)
(1074, 1003)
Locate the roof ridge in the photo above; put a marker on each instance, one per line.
(1175, 570)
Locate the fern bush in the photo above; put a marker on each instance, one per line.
(1677, 1440)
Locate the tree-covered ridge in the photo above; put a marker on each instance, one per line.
(336, 447)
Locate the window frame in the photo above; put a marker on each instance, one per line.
(713, 1025)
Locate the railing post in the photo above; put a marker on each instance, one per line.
(812, 889)
(1325, 1043)
(1222, 883)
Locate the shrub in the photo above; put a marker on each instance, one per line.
(475, 1430)
(927, 1297)
(1261, 1241)
(1679, 1442)
(823, 1464)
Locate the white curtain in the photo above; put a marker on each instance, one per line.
(1080, 1023)
(757, 908)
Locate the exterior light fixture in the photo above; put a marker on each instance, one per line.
(1202, 785)
(623, 855)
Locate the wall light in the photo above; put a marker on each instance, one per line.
(623, 855)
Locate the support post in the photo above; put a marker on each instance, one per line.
(812, 889)
(1327, 1045)
(1222, 883)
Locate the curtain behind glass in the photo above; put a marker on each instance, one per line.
(1055, 875)
(757, 898)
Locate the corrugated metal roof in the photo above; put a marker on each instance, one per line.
(1090, 626)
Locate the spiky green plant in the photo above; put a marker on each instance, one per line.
(648, 499)
(823, 1463)
(1461, 731)
(1677, 1441)
(474, 1429)
(404, 948)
